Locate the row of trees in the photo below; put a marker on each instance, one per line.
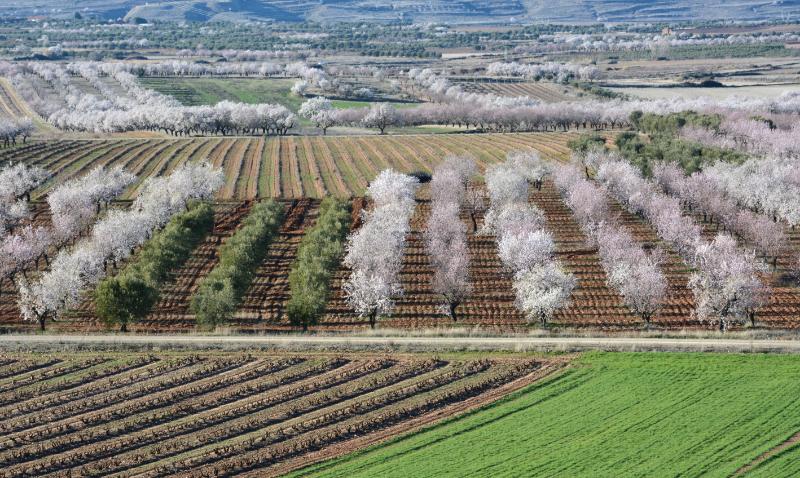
(140, 108)
(759, 136)
(560, 72)
(446, 235)
(633, 272)
(222, 289)
(656, 43)
(317, 258)
(255, 68)
(75, 203)
(375, 252)
(242, 55)
(13, 129)
(545, 117)
(113, 238)
(702, 193)
(767, 185)
(525, 248)
(725, 283)
(16, 183)
(502, 117)
(73, 206)
(223, 118)
(131, 294)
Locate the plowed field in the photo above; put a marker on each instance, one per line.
(223, 414)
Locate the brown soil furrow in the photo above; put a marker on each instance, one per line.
(314, 169)
(265, 300)
(336, 175)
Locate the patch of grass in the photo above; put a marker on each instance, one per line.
(610, 415)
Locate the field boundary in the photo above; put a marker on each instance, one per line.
(774, 451)
(437, 417)
(421, 343)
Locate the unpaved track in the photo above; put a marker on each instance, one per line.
(416, 343)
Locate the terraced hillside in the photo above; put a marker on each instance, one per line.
(457, 11)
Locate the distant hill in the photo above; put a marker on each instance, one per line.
(451, 11)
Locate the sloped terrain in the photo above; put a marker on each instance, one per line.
(456, 11)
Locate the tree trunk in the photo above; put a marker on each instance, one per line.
(372, 317)
(474, 222)
(41, 319)
(124, 327)
(452, 308)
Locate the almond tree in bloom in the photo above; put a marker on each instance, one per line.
(19, 250)
(525, 248)
(726, 285)
(75, 203)
(381, 116)
(16, 183)
(320, 111)
(445, 236)
(375, 251)
(634, 273)
(701, 192)
(531, 165)
(113, 238)
(542, 290)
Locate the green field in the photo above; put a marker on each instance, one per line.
(209, 91)
(612, 415)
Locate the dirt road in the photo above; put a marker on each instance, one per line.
(293, 342)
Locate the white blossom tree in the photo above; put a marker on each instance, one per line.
(543, 290)
(381, 116)
(725, 286)
(320, 111)
(375, 251)
(445, 236)
(113, 238)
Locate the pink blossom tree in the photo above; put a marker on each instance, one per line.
(445, 236)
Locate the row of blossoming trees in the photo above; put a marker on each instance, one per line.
(725, 279)
(84, 245)
(67, 107)
(375, 251)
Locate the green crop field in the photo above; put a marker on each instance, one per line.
(612, 415)
(209, 91)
